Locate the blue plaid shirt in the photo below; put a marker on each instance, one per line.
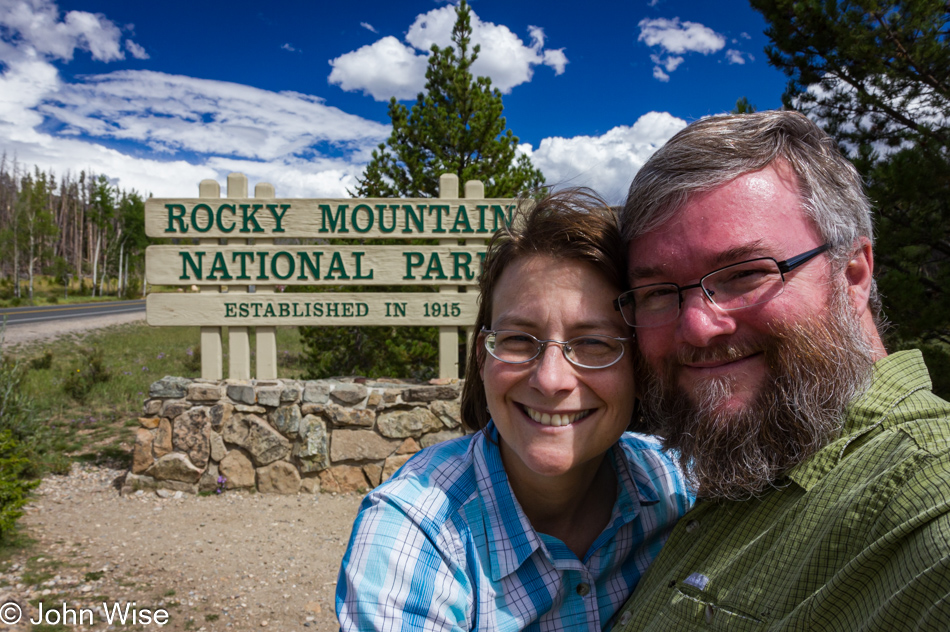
(444, 545)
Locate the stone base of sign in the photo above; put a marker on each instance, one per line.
(286, 436)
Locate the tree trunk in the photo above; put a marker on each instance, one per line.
(95, 264)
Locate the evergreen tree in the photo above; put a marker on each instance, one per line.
(743, 106)
(876, 75)
(456, 126)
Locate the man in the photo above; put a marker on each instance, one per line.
(822, 464)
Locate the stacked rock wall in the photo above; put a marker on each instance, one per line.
(286, 436)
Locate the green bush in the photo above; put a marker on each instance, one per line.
(404, 352)
(15, 480)
(20, 436)
(193, 360)
(45, 361)
(78, 383)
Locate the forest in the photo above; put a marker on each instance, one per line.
(81, 230)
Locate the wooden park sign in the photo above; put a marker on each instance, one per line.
(237, 265)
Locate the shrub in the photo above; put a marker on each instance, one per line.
(193, 360)
(410, 352)
(45, 361)
(20, 436)
(79, 382)
(15, 481)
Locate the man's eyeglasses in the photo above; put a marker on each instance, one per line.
(588, 352)
(733, 287)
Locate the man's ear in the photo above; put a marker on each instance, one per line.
(859, 275)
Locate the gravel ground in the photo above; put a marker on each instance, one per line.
(235, 561)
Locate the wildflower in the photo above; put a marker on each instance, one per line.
(160, 356)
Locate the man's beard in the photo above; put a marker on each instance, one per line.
(816, 368)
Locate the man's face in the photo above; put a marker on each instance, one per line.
(756, 215)
(745, 395)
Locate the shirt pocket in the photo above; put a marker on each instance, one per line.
(691, 608)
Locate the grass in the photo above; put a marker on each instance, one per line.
(100, 426)
(46, 291)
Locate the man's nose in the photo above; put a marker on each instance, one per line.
(552, 372)
(701, 321)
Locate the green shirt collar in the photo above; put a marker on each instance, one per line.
(894, 378)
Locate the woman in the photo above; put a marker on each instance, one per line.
(548, 515)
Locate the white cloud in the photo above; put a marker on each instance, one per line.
(137, 51)
(382, 70)
(368, 27)
(34, 26)
(389, 67)
(678, 37)
(284, 137)
(675, 38)
(288, 47)
(735, 57)
(669, 64)
(171, 113)
(606, 163)
(267, 135)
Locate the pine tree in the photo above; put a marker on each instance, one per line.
(875, 74)
(456, 126)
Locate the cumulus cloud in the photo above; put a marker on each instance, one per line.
(678, 37)
(674, 38)
(390, 67)
(34, 27)
(606, 163)
(368, 27)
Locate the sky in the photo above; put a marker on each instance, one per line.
(158, 96)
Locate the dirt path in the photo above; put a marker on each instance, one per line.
(237, 561)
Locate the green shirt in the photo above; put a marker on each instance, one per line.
(856, 538)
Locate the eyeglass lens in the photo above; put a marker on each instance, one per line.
(734, 287)
(516, 347)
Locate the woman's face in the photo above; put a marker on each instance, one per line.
(556, 299)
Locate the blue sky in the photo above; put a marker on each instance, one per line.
(161, 95)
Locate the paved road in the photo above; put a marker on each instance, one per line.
(24, 315)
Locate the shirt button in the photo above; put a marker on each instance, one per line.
(625, 618)
(583, 589)
(692, 525)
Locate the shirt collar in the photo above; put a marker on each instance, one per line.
(894, 378)
(510, 538)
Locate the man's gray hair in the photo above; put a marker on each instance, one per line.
(716, 150)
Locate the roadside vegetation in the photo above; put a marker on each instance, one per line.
(85, 393)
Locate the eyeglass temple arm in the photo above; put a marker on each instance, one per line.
(790, 264)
